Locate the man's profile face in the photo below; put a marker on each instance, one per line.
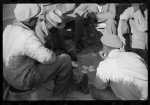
(31, 22)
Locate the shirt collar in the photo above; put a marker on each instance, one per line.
(114, 53)
(44, 28)
(19, 23)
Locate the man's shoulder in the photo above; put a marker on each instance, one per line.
(107, 63)
(130, 54)
(17, 29)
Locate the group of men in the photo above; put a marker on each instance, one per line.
(36, 50)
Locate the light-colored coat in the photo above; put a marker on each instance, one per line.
(125, 73)
(22, 50)
(138, 26)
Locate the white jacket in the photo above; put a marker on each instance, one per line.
(138, 27)
(21, 51)
(20, 41)
(126, 73)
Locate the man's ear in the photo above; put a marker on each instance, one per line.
(102, 55)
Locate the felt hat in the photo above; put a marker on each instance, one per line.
(54, 17)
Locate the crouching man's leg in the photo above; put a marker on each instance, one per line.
(61, 72)
(106, 94)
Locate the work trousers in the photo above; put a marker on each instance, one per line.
(106, 94)
(61, 72)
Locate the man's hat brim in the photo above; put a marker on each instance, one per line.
(61, 26)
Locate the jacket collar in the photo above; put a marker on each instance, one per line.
(114, 53)
(44, 28)
(19, 23)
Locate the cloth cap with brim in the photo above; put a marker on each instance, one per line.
(24, 12)
(112, 40)
(54, 18)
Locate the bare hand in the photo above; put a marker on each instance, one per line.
(124, 27)
(102, 54)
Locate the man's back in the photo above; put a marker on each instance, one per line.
(126, 73)
(129, 77)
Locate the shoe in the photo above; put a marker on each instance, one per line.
(84, 84)
(74, 64)
(73, 56)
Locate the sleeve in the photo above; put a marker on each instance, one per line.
(119, 33)
(39, 32)
(146, 14)
(110, 14)
(93, 7)
(36, 50)
(128, 13)
(47, 7)
(103, 73)
(81, 9)
(69, 7)
(141, 21)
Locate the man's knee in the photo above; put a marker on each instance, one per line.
(65, 65)
(65, 58)
(110, 21)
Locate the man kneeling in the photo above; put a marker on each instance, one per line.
(122, 75)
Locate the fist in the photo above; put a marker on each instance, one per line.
(124, 27)
(102, 55)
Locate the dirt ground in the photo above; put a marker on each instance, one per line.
(85, 58)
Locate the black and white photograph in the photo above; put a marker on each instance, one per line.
(75, 51)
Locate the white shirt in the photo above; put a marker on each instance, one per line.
(126, 74)
(138, 27)
(140, 21)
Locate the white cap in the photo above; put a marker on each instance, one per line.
(24, 12)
